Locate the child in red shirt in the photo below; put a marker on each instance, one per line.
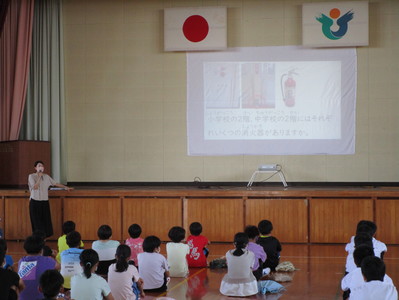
(197, 244)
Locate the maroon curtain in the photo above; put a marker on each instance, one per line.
(15, 45)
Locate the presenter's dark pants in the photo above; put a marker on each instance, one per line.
(40, 216)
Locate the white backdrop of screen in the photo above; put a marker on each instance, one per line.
(271, 101)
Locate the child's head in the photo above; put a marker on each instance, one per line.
(88, 259)
(251, 231)
(363, 239)
(361, 252)
(33, 244)
(240, 242)
(373, 268)
(122, 255)
(68, 227)
(73, 239)
(196, 228)
(51, 282)
(151, 244)
(177, 234)
(371, 224)
(134, 231)
(265, 227)
(363, 228)
(104, 232)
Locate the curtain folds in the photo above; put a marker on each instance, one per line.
(44, 115)
(15, 45)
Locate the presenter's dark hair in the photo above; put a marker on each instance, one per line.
(240, 241)
(177, 234)
(122, 254)
(51, 282)
(265, 227)
(134, 231)
(196, 228)
(88, 258)
(38, 162)
(361, 252)
(104, 232)
(252, 231)
(68, 227)
(73, 239)
(373, 268)
(150, 243)
(33, 244)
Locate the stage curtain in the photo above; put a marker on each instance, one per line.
(15, 44)
(44, 115)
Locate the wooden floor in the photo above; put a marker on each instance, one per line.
(320, 269)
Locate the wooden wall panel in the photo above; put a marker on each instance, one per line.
(289, 217)
(91, 213)
(387, 220)
(17, 220)
(2, 213)
(221, 218)
(334, 220)
(155, 215)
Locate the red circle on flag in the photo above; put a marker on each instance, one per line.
(195, 28)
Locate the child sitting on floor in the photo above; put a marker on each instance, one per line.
(260, 255)
(67, 227)
(355, 278)
(32, 266)
(370, 228)
(153, 267)
(106, 249)
(239, 280)
(176, 252)
(373, 271)
(121, 274)
(51, 283)
(70, 258)
(135, 242)
(270, 244)
(88, 285)
(197, 244)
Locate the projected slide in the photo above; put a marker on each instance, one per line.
(272, 101)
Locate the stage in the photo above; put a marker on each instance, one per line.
(300, 214)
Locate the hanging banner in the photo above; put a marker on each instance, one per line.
(335, 24)
(195, 28)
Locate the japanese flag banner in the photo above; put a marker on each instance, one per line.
(195, 28)
(335, 24)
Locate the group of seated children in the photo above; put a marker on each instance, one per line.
(113, 271)
(365, 276)
(256, 254)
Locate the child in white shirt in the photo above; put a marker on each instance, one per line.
(177, 252)
(373, 270)
(153, 267)
(355, 278)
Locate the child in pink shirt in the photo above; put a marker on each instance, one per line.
(135, 242)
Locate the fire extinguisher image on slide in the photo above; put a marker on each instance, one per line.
(288, 88)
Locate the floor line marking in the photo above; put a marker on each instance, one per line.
(181, 282)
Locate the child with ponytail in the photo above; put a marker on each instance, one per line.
(89, 285)
(239, 280)
(121, 274)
